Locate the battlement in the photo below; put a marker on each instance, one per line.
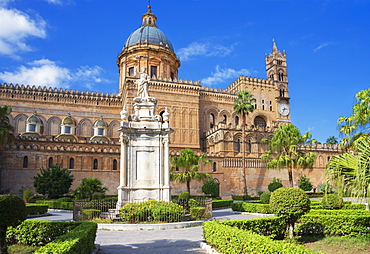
(235, 87)
(55, 92)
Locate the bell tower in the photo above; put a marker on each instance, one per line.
(277, 71)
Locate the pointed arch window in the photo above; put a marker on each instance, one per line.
(95, 164)
(50, 162)
(71, 163)
(249, 148)
(115, 164)
(214, 167)
(224, 120)
(236, 120)
(238, 146)
(25, 162)
(212, 120)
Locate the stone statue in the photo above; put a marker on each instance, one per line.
(142, 83)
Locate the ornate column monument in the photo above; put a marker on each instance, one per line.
(144, 137)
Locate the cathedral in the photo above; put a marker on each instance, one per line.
(79, 128)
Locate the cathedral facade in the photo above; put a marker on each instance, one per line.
(79, 128)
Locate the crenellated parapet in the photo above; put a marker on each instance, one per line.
(55, 94)
(318, 148)
(244, 82)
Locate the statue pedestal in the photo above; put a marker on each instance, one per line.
(144, 168)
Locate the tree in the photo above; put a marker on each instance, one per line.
(6, 130)
(88, 187)
(357, 126)
(12, 213)
(332, 140)
(243, 104)
(53, 181)
(304, 183)
(274, 185)
(290, 204)
(210, 187)
(350, 171)
(189, 162)
(286, 151)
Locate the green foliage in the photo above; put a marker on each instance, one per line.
(33, 209)
(251, 207)
(193, 203)
(6, 130)
(326, 188)
(356, 126)
(38, 233)
(89, 214)
(184, 195)
(241, 197)
(332, 140)
(78, 241)
(197, 212)
(54, 181)
(332, 222)
(65, 199)
(274, 185)
(285, 152)
(12, 213)
(188, 162)
(290, 204)
(52, 204)
(88, 187)
(27, 194)
(152, 210)
(332, 201)
(221, 203)
(304, 183)
(98, 196)
(227, 239)
(210, 187)
(265, 197)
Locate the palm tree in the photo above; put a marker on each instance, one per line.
(189, 162)
(351, 172)
(6, 130)
(244, 104)
(332, 140)
(285, 150)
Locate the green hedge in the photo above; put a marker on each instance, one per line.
(53, 204)
(274, 227)
(251, 207)
(89, 214)
(227, 239)
(38, 233)
(78, 241)
(221, 203)
(33, 209)
(345, 207)
(340, 222)
(243, 197)
(197, 212)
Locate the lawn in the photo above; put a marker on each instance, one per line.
(337, 244)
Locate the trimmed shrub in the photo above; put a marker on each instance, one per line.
(326, 188)
(332, 201)
(243, 197)
(228, 239)
(334, 223)
(197, 212)
(52, 204)
(304, 183)
(152, 210)
(184, 195)
(251, 207)
(34, 209)
(221, 203)
(265, 197)
(274, 185)
(290, 204)
(65, 199)
(12, 213)
(193, 203)
(80, 240)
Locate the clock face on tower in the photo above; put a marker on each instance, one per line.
(284, 109)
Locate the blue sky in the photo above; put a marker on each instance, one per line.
(74, 44)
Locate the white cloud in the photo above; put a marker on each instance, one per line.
(203, 49)
(4, 3)
(220, 75)
(321, 46)
(39, 73)
(16, 27)
(45, 72)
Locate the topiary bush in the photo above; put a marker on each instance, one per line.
(304, 183)
(265, 197)
(290, 204)
(12, 213)
(332, 201)
(184, 195)
(275, 184)
(34, 209)
(197, 212)
(212, 188)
